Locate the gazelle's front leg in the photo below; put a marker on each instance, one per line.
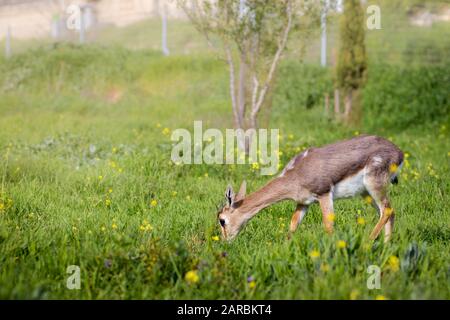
(326, 205)
(297, 217)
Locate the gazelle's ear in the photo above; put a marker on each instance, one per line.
(229, 194)
(241, 194)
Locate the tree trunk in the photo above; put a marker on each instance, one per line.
(337, 104)
(355, 115)
(327, 104)
(241, 94)
(348, 106)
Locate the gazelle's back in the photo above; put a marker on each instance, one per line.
(318, 169)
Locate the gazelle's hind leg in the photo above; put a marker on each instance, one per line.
(389, 226)
(376, 186)
(326, 204)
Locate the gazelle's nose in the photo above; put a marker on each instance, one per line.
(222, 222)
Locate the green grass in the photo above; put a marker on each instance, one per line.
(83, 154)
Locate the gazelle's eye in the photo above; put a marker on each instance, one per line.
(222, 222)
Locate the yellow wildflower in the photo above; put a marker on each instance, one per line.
(388, 211)
(252, 284)
(114, 226)
(380, 297)
(108, 202)
(215, 238)
(191, 276)
(146, 226)
(361, 221)
(100, 177)
(393, 168)
(368, 199)
(153, 203)
(341, 244)
(255, 165)
(354, 294)
(394, 263)
(331, 217)
(166, 131)
(314, 254)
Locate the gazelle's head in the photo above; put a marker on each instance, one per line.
(230, 218)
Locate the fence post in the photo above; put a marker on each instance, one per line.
(55, 28)
(165, 50)
(323, 22)
(82, 26)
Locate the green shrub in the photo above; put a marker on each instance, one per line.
(394, 96)
(301, 86)
(401, 97)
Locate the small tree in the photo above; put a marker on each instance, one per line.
(251, 35)
(352, 60)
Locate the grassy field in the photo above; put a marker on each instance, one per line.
(86, 179)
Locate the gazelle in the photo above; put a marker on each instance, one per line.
(364, 165)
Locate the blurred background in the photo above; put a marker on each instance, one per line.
(412, 47)
(413, 31)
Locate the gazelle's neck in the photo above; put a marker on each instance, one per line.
(274, 191)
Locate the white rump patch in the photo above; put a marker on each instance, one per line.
(350, 186)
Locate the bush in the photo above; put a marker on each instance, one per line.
(402, 97)
(394, 96)
(301, 86)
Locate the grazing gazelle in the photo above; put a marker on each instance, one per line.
(363, 165)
